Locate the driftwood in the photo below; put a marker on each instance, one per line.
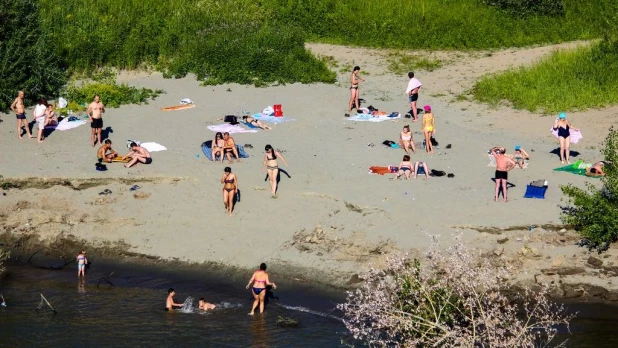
(106, 279)
(43, 302)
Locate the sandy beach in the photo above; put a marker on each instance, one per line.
(331, 218)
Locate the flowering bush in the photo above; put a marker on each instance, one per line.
(455, 300)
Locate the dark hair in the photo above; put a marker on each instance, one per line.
(107, 141)
(170, 290)
(43, 101)
(133, 144)
(411, 74)
(356, 68)
(407, 126)
(218, 135)
(201, 299)
(268, 148)
(226, 133)
(244, 117)
(262, 266)
(406, 157)
(227, 170)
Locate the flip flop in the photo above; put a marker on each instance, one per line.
(135, 188)
(105, 192)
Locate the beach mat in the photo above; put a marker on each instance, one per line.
(229, 128)
(178, 107)
(121, 159)
(207, 150)
(574, 169)
(379, 170)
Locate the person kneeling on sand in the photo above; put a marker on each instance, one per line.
(169, 303)
(256, 123)
(106, 153)
(596, 169)
(405, 168)
(422, 165)
(203, 305)
(138, 154)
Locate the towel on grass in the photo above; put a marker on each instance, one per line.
(371, 118)
(207, 150)
(153, 147)
(230, 129)
(575, 135)
(271, 119)
(66, 125)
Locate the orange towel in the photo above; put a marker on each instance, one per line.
(379, 170)
(178, 107)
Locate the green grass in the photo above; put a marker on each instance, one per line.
(401, 63)
(437, 24)
(566, 81)
(112, 94)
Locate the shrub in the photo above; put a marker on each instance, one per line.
(112, 95)
(3, 256)
(527, 8)
(454, 301)
(594, 212)
(27, 59)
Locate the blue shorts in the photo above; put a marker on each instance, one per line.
(413, 97)
(21, 116)
(81, 266)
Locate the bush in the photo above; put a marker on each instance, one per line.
(112, 95)
(27, 59)
(454, 301)
(594, 212)
(3, 256)
(527, 8)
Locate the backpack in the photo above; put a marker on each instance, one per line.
(231, 119)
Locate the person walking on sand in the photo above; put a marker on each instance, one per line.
(272, 167)
(82, 261)
(563, 126)
(39, 117)
(429, 128)
(169, 303)
(354, 81)
(138, 154)
(95, 115)
(406, 141)
(230, 189)
(503, 165)
(414, 86)
(20, 113)
(260, 281)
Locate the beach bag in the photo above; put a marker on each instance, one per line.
(231, 119)
(437, 172)
(278, 112)
(268, 111)
(62, 103)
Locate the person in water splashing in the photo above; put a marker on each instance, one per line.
(260, 281)
(169, 303)
(203, 305)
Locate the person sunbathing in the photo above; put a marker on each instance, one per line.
(596, 169)
(520, 156)
(406, 141)
(256, 123)
(422, 165)
(106, 153)
(229, 147)
(405, 168)
(51, 118)
(217, 147)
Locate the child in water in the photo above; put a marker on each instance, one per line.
(169, 303)
(82, 261)
(203, 305)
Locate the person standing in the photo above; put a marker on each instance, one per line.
(414, 86)
(82, 261)
(169, 302)
(563, 127)
(272, 167)
(429, 128)
(503, 165)
(354, 81)
(20, 113)
(95, 115)
(39, 117)
(260, 281)
(230, 189)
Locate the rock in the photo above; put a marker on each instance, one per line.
(538, 279)
(558, 261)
(498, 251)
(302, 247)
(595, 262)
(503, 240)
(563, 230)
(563, 271)
(141, 195)
(355, 279)
(308, 239)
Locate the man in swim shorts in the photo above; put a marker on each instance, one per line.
(229, 147)
(169, 303)
(414, 86)
(503, 165)
(20, 113)
(205, 306)
(106, 153)
(95, 115)
(138, 154)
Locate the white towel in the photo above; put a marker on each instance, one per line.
(153, 147)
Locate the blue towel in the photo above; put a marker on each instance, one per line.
(250, 126)
(206, 148)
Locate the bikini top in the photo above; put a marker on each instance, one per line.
(228, 181)
(270, 158)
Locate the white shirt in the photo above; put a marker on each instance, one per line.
(414, 83)
(39, 110)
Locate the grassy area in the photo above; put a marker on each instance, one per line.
(402, 63)
(568, 80)
(440, 24)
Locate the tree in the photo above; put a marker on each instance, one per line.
(27, 57)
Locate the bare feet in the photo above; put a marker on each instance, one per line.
(250, 313)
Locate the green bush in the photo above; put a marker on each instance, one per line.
(527, 8)
(112, 95)
(566, 81)
(594, 212)
(27, 61)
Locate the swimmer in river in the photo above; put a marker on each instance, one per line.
(169, 303)
(260, 281)
(203, 305)
(82, 261)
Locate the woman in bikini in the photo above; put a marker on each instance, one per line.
(230, 189)
(217, 147)
(563, 126)
(405, 168)
(406, 141)
(256, 123)
(51, 118)
(260, 281)
(272, 167)
(354, 81)
(428, 128)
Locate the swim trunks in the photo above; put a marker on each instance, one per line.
(21, 116)
(148, 160)
(96, 123)
(81, 266)
(413, 97)
(501, 174)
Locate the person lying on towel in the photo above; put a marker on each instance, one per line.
(520, 156)
(106, 153)
(256, 123)
(596, 169)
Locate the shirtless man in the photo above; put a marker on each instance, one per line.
(503, 165)
(20, 112)
(138, 154)
(106, 153)
(169, 303)
(596, 169)
(414, 86)
(229, 147)
(203, 305)
(95, 113)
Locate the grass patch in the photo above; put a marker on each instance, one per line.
(112, 95)
(566, 81)
(401, 63)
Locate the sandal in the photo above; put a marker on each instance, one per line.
(135, 188)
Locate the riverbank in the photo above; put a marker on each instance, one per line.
(331, 218)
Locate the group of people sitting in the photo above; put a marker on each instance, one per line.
(224, 146)
(137, 154)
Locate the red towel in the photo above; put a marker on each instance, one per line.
(379, 170)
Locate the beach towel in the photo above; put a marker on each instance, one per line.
(577, 168)
(371, 118)
(178, 107)
(230, 129)
(121, 159)
(379, 170)
(207, 150)
(153, 147)
(492, 160)
(575, 135)
(271, 119)
(66, 125)
(250, 126)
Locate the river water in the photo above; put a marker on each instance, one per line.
(131, 313)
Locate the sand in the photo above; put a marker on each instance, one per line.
(331, 218)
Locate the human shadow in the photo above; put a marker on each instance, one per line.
(279, 175)
(572, 153)
(105, 133)
(508, 186)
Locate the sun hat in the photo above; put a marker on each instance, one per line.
(562, 115)
(517, 147)
(427, 108)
